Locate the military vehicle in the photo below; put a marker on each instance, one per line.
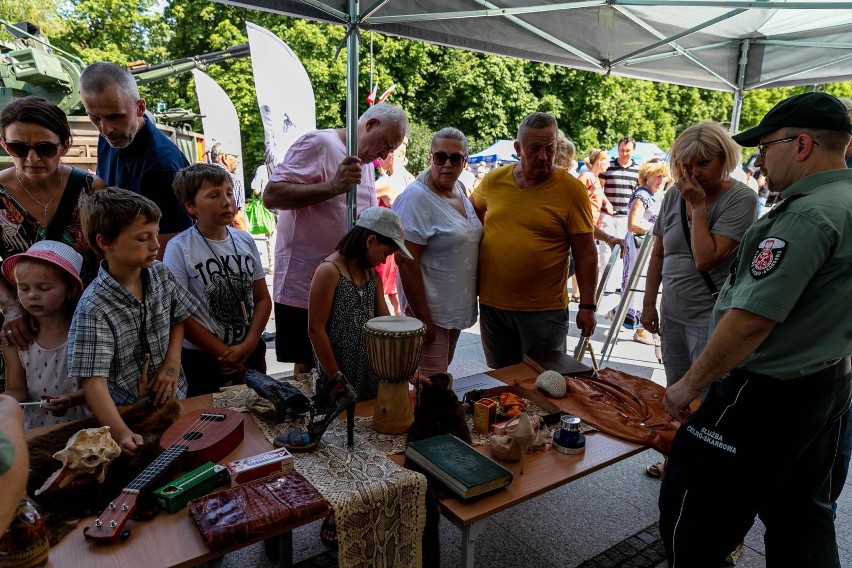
(30, 65)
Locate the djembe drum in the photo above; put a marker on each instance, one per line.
(394, 344)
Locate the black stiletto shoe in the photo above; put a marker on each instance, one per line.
(337, 396)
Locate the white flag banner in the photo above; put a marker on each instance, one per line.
(219, 117)
(284, 93)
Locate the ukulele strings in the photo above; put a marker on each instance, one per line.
(201, 425)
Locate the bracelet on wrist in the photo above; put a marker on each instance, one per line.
(593, 307)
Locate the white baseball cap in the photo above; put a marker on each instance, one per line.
(385, 222)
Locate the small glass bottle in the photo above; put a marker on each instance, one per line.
(24, 544)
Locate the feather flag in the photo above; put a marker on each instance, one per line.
(219, 117)
(284, 93)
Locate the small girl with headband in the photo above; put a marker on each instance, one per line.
(47, 279)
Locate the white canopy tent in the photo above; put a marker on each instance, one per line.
(500, 151)
(727, 45)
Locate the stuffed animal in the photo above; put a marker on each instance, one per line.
(62, 509)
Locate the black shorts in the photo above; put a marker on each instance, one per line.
(203, 375)
(292, 344)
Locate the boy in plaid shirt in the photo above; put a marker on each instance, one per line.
(125, 339)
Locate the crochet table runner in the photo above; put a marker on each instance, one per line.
(380, 507)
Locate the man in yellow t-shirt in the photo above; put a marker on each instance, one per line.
(534, 214)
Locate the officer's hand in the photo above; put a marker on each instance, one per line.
(678, 398)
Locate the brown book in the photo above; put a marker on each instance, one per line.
(562, 363)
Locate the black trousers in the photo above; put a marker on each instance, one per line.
(757, 446)
(203, 375)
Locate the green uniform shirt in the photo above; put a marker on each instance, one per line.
(794, 266)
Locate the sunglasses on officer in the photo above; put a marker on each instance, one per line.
(42, 149)
(440, 158)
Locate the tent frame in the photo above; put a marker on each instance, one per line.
(355, 19)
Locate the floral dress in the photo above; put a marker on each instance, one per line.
(19, 230)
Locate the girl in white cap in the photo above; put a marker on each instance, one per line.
(47, 280)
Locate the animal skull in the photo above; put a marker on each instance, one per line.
(87, 455)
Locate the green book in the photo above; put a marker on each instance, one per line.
(464, 471)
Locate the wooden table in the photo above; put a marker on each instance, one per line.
(174, 540)
(168, 540)
(543, 471)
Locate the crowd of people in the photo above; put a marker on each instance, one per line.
(93, 319)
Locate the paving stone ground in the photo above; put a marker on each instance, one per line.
(641, 550)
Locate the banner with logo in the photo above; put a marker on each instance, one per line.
(285, 96)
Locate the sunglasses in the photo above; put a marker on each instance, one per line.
(440, 158)
(42, 149)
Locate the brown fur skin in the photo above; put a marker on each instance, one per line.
(63, 509)
(439, 412)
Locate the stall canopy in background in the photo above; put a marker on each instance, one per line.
(727, 45)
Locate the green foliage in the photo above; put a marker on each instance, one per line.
(485, 96)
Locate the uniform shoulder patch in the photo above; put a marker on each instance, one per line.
(768, 256)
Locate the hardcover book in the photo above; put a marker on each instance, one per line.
(562, 363)
(464, 471)
(480, 381)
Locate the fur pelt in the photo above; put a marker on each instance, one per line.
(438, 412)
(63, 509)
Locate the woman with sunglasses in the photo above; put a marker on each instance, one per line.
(702, 219)
(442, 233)
(38, 196)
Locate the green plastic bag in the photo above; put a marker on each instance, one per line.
(261, 221)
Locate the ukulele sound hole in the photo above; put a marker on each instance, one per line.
(192, 436)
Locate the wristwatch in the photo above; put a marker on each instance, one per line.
(593, 307)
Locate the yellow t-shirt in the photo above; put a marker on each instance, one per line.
(523, 255)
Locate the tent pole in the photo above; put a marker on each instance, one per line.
(739, 94)
(354, 10)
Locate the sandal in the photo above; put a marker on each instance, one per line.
(575, 299)
(656, 470)
(328, 531)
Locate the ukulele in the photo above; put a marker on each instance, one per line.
(196, 438)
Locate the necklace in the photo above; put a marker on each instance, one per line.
(33, 197)
(363, 287)
(228, 280)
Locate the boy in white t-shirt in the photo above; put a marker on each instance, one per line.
(221, 267)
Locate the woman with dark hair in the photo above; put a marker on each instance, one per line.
(38, 196)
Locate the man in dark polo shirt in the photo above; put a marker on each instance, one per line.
(132, 153)
(619, 180)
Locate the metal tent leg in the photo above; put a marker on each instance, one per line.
(627, 295)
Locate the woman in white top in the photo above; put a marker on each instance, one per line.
(442, 233)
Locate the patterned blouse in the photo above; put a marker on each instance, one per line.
(19, 230)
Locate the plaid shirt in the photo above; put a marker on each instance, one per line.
(111, 330)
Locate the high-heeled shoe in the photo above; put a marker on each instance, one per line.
(336, 396)
(514, 448)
